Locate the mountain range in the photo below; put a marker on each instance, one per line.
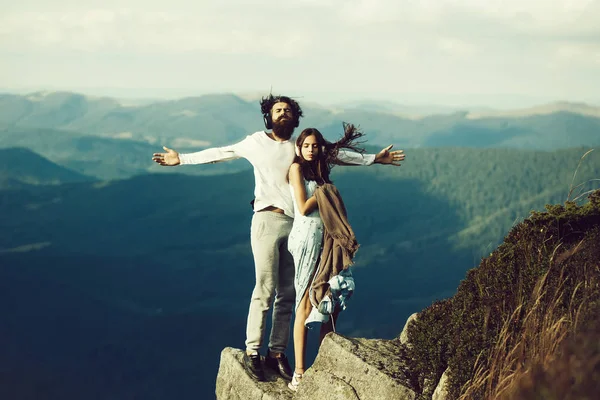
(109, 139)
(20, 166)
(219, 119)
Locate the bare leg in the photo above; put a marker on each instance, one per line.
(300, 333)
(328, 327)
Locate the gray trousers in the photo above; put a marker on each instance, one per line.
(274, 267)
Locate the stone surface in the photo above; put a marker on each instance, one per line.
(345, 369)
(441, 390)
(233, 383)
(404, 335)
(348, 368)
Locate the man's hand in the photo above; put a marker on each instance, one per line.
(386, 156)
(170, 158)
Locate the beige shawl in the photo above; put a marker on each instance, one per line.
(339, 242)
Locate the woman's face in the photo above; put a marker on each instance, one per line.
(310, 148)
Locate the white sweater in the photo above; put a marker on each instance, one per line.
(271, 160)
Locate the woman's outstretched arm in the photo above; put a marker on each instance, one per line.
(305, 206)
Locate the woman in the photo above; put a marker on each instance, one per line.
(308, 174)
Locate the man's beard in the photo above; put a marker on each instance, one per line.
(284, 128)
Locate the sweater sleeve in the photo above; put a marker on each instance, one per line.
(217, 154)
(351, 158)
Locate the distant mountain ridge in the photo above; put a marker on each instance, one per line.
(108, 138)
(219, 119)
(226, 117)
(98, 156)
(19, 166)
(559, 106)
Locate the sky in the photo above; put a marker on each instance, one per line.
(497, 53)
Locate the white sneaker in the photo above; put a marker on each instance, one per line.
(293, 385)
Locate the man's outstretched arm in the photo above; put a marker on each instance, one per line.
(217, 154)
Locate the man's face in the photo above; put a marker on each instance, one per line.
(281, 110)
(283, 120)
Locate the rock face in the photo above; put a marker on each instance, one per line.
(404, 334)
(441, 390)
(345, 368)
(349, 368)
(233, 383)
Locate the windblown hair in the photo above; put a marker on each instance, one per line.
(318, 170)
(267, 103)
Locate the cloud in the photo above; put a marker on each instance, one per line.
(106, 30)
(302, 27)
(492, 19)
(567, 53)
(457, 47)
(538, 14)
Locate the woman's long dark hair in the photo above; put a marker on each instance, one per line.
(318, 170)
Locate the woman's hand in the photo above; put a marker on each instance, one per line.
(386, 156)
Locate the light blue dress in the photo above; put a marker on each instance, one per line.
(304, 242)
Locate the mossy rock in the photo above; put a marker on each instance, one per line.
(562, 244)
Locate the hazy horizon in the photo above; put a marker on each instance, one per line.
(498, 102)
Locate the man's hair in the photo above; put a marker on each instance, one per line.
(267, 103)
